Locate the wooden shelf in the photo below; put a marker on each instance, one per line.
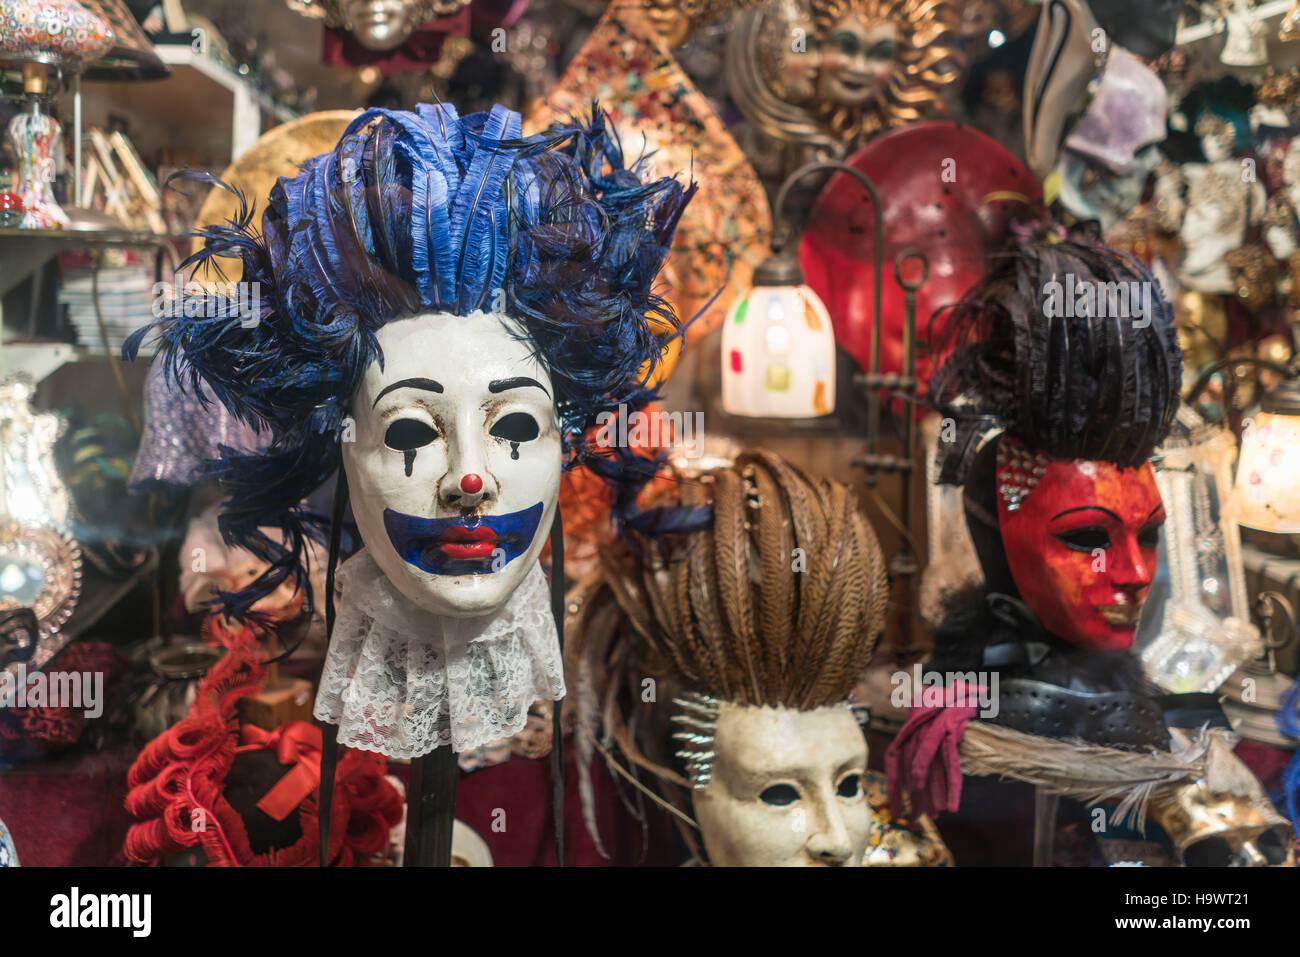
(23, 251)
(39, 360)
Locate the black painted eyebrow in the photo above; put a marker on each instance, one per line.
(428, 385)
(501, 385)
(1085, 508)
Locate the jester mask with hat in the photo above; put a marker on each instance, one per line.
(448, 306)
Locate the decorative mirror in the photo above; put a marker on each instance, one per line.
(40, 568)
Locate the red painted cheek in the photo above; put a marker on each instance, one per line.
(1065, 590)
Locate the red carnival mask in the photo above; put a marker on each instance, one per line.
(1080, 539)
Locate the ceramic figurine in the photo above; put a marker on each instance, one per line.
(1211, 205)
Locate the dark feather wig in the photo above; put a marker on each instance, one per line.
(1069, 348)
(417, 212)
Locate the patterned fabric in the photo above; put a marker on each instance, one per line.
(897, 841)
(183, 431)
(660, 114)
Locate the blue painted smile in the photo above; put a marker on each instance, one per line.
(453, 546)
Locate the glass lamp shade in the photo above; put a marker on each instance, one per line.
(130, 56)
(1267, 492)
(59, 33)
(778, 355)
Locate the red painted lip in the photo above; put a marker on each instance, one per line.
(463, 543)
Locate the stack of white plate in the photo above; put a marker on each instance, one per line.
(126, 302)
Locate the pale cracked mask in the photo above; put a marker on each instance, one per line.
(454, 462)
(786, 789)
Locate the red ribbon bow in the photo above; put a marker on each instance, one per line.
(297, 743)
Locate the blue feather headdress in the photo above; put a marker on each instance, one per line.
(417, 212)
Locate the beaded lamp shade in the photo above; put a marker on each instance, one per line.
(60, 33)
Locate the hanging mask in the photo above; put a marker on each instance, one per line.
(1220, 211)
(1062, 63)
(1126, 115)
(1090, 192)
(827, 72)
(1247, 42)
(1111, 153)
(1224, 818)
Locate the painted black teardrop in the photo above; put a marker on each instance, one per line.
(514, 450)
(408, 456)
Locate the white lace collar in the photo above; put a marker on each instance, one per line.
(403, 681)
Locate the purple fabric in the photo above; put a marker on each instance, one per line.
(1126, 113)
(181, 433)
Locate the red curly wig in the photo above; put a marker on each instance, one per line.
(182, 798)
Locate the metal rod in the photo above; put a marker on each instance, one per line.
(76, 139)
(329, 759)
(779, 240)
(904, 565)
(557, 730)
(1204, 378)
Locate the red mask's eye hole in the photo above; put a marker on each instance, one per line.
(1149, 537)
(1085, 539)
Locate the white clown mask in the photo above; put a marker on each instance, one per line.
(785, 788)
(454, 464)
